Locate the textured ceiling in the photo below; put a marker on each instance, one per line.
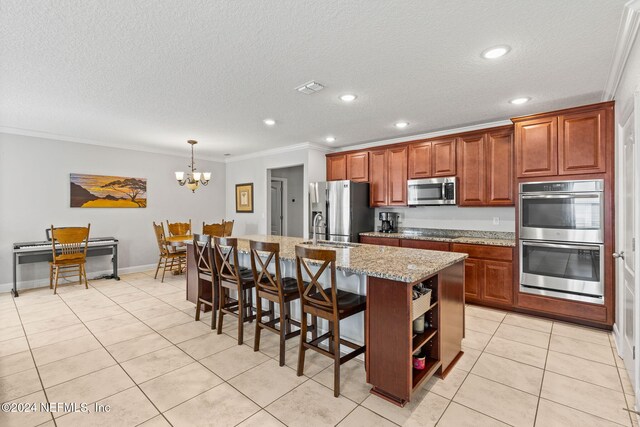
(153, 74)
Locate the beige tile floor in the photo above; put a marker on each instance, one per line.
(133, 345)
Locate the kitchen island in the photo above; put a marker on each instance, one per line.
(387, 275)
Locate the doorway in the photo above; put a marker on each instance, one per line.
(278, 210)
(285, 205)
(626, 256)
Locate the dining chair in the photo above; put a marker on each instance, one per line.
(69, 246)
(276, 290)
(203, 252)
(169, 260)
(232, 277)
(179, 228)
(228, 228)
(215, 229)
(329, 303)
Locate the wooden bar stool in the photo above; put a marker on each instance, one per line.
(203, 252)
(231, 276)
(275, 289)
(328, 303)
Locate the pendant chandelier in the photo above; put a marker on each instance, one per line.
(193, 178)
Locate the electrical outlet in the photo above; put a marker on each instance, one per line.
(496, 220)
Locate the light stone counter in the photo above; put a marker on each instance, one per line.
(493, 238)
(400, 264)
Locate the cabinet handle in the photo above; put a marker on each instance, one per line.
(618, 254)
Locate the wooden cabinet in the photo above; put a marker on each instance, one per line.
(472, 268)
(336, 167)
(419, 160)
(500, 183)
(536, 147)
(383, 241)
(498, 282)
(429, 159)
(388, 177)
(378, 178)
(486, 168)
(581, 143)
(566, 142)
(425, 244)
(444, 157)
(488, 274)
(353, 166)
(472, 183)
(397, 176)
(358, 166)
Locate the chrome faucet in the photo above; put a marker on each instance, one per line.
(317, 218)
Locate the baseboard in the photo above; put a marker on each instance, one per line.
(91, 275)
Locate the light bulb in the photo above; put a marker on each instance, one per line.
(196, 176)
(207, 176)
(179, 176)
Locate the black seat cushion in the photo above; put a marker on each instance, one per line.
(347, 301)
(289, 286)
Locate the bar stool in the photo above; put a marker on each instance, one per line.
(275, 289)
(203, 253)
(328, 303)
(233, 277)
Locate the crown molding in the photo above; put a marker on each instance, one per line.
(627, 33)
(278, 150)
(428, 135)
(141, 148)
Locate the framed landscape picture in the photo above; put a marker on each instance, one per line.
(244, 197)
(103, 191)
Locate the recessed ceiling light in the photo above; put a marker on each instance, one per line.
(402, 125)
(518, 101)
(330, 139)
(348, 97)
(269, 122)
(496, 52)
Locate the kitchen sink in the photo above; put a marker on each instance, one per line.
(335, 245)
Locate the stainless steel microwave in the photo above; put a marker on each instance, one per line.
(432, 191)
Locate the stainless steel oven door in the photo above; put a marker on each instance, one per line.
(573, 217)
(569, 271)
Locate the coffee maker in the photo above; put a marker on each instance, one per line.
(389, 221)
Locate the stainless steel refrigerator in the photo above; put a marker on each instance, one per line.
(344, 205)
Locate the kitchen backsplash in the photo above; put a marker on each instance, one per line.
(454, 218)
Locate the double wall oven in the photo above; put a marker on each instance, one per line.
(562, 239)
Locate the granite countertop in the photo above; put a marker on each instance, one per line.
(400, 264)
(493, 238)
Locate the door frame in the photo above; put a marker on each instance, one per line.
(285, 207)
(630, 112)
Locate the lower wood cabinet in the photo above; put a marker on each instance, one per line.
(488, 273)
(384, 241)
(425, 244)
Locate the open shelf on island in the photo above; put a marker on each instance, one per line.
(422, 375)
(421, 339)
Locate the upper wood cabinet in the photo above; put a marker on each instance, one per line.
(472, 183)
(536, 147)
(353, 166)
(388, 177)
(358, 166)
(581, 143)
(486, 168)
(336, 167)
(429, 159)
(420, 160)
(444, 157)
(567, 142)
(500, 185)
(378, 178)
(397, 176)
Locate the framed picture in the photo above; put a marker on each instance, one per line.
(244, 197)
(100, 191)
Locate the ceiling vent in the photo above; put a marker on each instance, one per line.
(310, 88)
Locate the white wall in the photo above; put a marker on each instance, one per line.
(248, 169)
(294, 199)
(34, 193)
(455, 218)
